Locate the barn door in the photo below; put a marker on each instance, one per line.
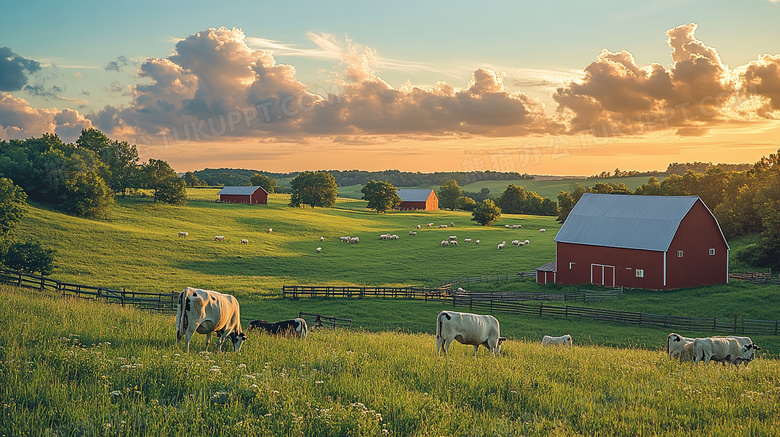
(602, 275)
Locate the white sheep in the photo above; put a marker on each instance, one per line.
(515, 242)
(270, 231)
(526, 242)
(501, 246)
(467, 240)
(184, 234)
(445, 243)
(413, 233)
(344, 239)
(476, 242)
(543, 230)
(442, 226)
(322, 239)
(418, 226)
(219, 238)
(244, 241)
(319, 250)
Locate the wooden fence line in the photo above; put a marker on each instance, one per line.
(147, 301)
(490, 278)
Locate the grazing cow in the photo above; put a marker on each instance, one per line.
(725, 349)
(686, 355)
(543, 230)
(319, 250)
(564, 340)
(470, 329)
(445, 243)
(219, 238)
(204, 312)
(244, 241)
(294, 327)
(184, 234)
(675, 343)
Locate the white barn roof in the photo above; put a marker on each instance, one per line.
(414, 194)
(240, 190)
(625, 221)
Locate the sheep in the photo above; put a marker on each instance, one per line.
(445, 243)
(219, 238)
(543, 230)
(526, 242)
(354, 240)
(460, 290)
(319, 250)
(184, 234)
(508, 226)
(454, 242)
(429, 225)
(270, 231)
(452, 225)
(244, 241)
(418, 226)
(413, 233)
(517, 226)
(453, 237)
(515, 242)
(476, 242)
(442, 226)
(322, 239)
(394, 237)
(467, 240)
(344, 239)
(501, 246)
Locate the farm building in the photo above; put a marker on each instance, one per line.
(650, 242)
(417, 198)
(252, 195)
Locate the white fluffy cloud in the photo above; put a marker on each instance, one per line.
(19, 120)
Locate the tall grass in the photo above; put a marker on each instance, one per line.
(71, 367)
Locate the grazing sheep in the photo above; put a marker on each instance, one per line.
(476, 242)
(445, 243)
(418, 226)
(219, 238)
(344, 239)
(270, 231)
(508, 226)
(526, 242)
(354, 240)
(322, 239)
(501, 246)
(454, 242)
(319, 250)
(452, 225)
(467, 240)
(244, 241)
(453, 237)
(543, 230)
(429, 225)
(442, 226)
(515, 242)
(414, 233)
(184, 234)
(517, 226)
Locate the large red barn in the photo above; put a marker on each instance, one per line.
(417, 198)
(650, 242)
(252, 195)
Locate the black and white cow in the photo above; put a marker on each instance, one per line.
(294, 327)
(675, 344)
(732, 350)
(206, 311)
(470, 329)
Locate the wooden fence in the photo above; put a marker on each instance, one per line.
(296, 291)
(320, 320)
(466, 282)
(147, 301)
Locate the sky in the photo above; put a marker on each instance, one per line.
(558, 87)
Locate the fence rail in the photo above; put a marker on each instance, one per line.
(458, 282)
(296, 291)
(327, 321)
(147, 301)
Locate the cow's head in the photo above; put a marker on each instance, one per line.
(749, 351)
(237, 339)
(498, 344)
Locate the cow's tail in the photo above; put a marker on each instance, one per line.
(439, 321)
(668, 340)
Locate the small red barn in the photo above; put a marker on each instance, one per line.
(252, 195)
(650, 242)
(417, 198)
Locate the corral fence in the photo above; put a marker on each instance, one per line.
(466, 282)
(146, 301)
(511, 296)
(321, 320)
(734, 325)
(756, 277)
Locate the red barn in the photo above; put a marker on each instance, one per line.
(251, 195)
(417, 198)
(650, 242)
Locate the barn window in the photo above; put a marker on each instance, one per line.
(571, 265)
(640, 273)
(679, 254)
(712, 251)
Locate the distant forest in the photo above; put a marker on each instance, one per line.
(230, 177)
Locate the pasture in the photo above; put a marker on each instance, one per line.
(73, 367)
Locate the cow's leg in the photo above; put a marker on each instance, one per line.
(222, 335)
(447, 343)
(208, 341)
(476, 347)
(187, 339)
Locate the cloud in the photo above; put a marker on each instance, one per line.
(117, 65)
(762, 77)
(20, 120)
(14, 70)
(41, 91)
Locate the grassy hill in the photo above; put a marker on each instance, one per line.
(77, 367)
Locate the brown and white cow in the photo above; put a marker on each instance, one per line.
(470, 329)
(206, 311)
(294, 327)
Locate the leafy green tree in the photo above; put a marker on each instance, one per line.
(268, 183)
(381, 196)
(486, 213)
(13, 205)
(74, 182)
(121, 158)
(566, 203)
(191, 180)
(548, 208)
(533, 203)
(512, 200)
(767, 204)
(449, 192)
(651, 188)
(468, 204)
(30, 257)
(92, 139)
(313, 189)
(166, 185)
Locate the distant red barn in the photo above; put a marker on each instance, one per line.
(252, 195)
(650, 242)
(417, 198)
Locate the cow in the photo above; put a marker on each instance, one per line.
(687, 353)
(564, 340)
(294, 327)
(184, 234)
(219, 238)
(470, 329)
(206, 312)
(244, 241)
(725, 349)
(675, 343)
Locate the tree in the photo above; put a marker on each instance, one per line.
(268, 183)
(468, 204)
(566, 203)
(449, 192)
(122, 161)
(74, 182)
(191, 180)
(486, 213)
(381, 196)
(13, 205)
(512, 200)
(166, 185)
(651, 188)
(29, 257)
(313, 189)
(548, 208)
(92, 139)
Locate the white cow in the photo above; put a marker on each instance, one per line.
(675, 344)
(244, 241)
(206, 311)
(219, 238)
(564, 340)
(470, 329)
(725, 349)
(184, 234)
(687, 353)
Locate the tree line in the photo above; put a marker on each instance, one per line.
(743, 201)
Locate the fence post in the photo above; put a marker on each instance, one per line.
(43, 283)
(735, 324)
(20, 279)
(541, 308)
